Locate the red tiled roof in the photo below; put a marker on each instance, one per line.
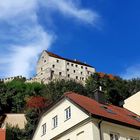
(2, 134)
(117, 114)
(73, 61)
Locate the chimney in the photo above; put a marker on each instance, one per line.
(99, 96)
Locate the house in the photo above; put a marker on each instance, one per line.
(2, 134)
(14, 120)
(133, 103)
(51, 66)
(77, 117)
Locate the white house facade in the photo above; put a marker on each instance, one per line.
(76, 117)
(51, 66)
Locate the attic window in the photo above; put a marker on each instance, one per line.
(137, 118)
(107, 109)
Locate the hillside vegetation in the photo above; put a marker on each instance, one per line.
(32, 99)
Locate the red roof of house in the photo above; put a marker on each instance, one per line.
(73, 61)
(107, 112)
(2, 134)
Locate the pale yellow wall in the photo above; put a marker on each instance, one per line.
(133, 103)
(15, 120)
(84, 132)
(76, 116)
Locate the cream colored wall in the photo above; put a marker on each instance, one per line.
(133, 103)
(15, 120)
(124, 132)
(84, 132)
(76, 116)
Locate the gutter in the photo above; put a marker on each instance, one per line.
(100, 130)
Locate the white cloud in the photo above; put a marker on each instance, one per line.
(24, 37)
(132, 72)
(72, 9)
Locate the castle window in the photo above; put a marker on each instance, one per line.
(71, 64)
(81, 67)
(67, 69)
(74, 71)
(68, 75)
(76, 77)
(76, 65)
(53, 66)
(57, 61)
(60, 73)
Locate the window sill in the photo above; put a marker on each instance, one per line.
(67, 119)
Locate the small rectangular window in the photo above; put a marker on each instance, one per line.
(114, 136)
(43, 129)
(77, 77)
(57, 61)
(60, 73)
(67, 113)
(53, 66)
(74, 71)
(81, 67)
(69, 75)
(55, 121)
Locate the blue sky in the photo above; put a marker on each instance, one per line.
(103, 33)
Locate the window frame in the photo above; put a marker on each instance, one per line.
(114, 134)
(43, 129)
(67, 113)
(54, 122)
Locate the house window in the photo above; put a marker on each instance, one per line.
(114, 136)
(74, 71)
(68, 75)
(43, 129)
(55, 121)
(53, 66)
(67, 113)
(60, 73)
(57, 61)
(76, 77)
